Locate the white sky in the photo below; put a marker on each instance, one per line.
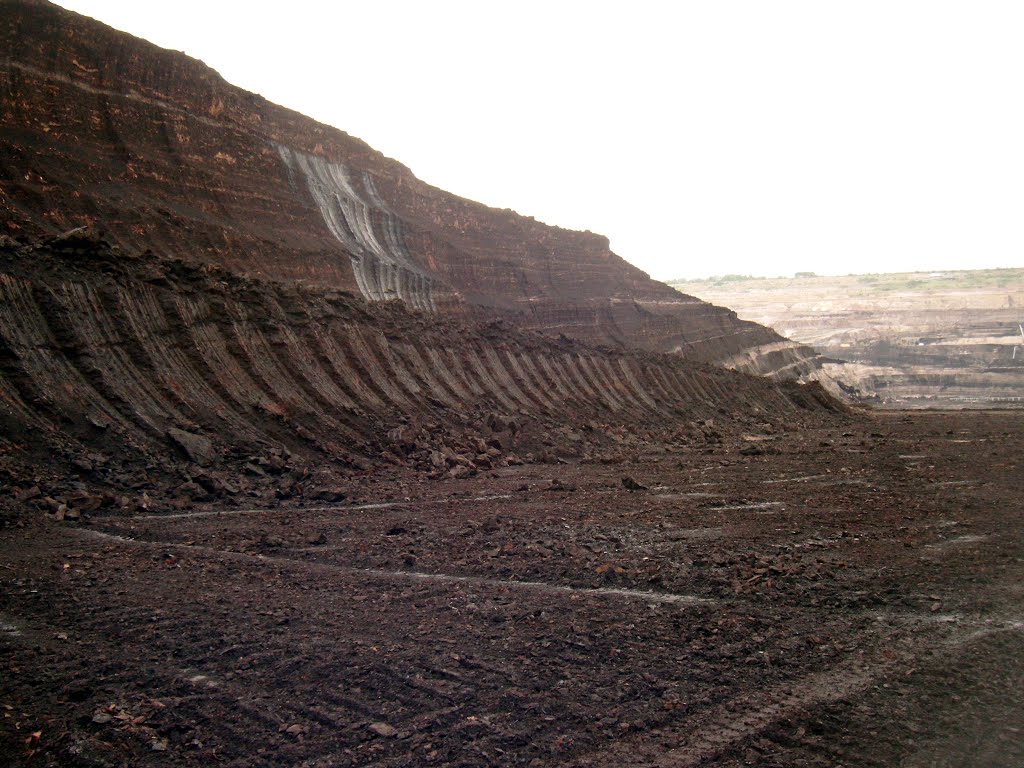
(710, 137)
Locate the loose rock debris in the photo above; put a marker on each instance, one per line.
(496, 623)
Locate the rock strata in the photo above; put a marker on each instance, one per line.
(102, 129)
(133, 382)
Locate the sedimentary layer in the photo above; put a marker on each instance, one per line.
(102, 129)
(111, 362)
(927, 339)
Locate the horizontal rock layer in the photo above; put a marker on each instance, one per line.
(936, 340)
(99, 128)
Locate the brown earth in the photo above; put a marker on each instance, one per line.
(304, 462)
(842, 595)
(101, 129)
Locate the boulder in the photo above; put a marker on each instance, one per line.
(198, 448)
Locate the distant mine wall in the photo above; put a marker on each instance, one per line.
(922, 377)
(102, 349)
(101, 129)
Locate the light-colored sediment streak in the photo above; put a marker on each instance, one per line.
(478, 581)
(370, 232)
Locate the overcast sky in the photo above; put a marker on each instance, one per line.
(711, 137)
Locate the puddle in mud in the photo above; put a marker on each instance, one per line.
(968, 539)
(804, 479)
(688, 495)
(329, 508)
(8, 627)
(638, 594)
(200, 679)
(762, 506)
(920, 618)
(692, 534)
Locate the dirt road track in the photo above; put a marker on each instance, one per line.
(844, 598)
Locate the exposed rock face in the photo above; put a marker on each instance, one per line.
(113, 364)
(100, 128)
(198, 448)
(969, 367)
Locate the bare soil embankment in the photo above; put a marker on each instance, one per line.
(129, 380)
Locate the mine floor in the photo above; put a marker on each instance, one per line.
(849, 597)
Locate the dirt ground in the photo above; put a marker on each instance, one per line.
(849, 596)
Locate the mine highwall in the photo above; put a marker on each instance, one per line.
(134, 353)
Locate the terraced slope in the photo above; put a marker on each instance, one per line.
(110, 362)
(102, 129)
(950, 339)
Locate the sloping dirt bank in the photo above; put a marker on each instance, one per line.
(129, 381)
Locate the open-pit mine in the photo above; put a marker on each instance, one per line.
(952, 339)
(304, 462)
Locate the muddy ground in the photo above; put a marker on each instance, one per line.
(832, 596)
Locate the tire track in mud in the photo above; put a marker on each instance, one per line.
(703, 737)
(334, 682)
(325, 508)
(444, 578)
(710, 733)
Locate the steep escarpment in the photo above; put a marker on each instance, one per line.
(125, 371)
(99, 128)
